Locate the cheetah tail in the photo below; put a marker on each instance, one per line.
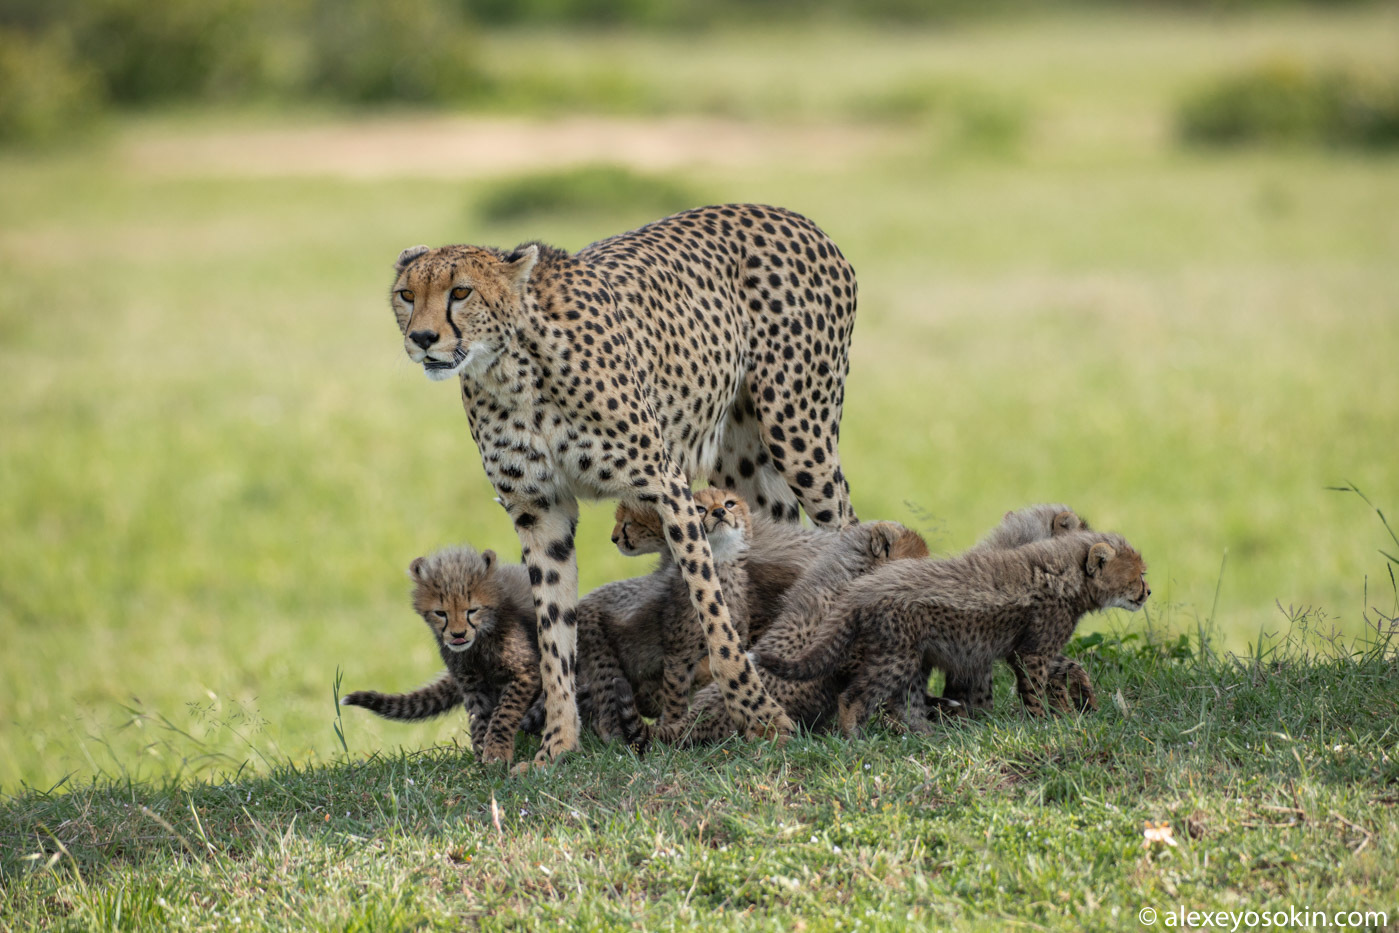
(441, 696)
(824, 656)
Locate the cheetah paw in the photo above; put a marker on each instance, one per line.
(779, 730)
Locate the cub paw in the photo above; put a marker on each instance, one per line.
(944, 708)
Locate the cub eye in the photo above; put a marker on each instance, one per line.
(729, 504)
(471, 612)
(460, 292)
(440, 614)
(406, 294)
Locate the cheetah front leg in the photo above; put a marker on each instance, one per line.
(753, 711)
(546, 544)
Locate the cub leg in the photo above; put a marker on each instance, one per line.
(971, 688)
(1070, 689)
(505, 721)
(683, 651)
(882, 676)
(1031, 676)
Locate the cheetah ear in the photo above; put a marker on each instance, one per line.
(1098, 556)
(417, 569)
(488, 558)
(405, 258)
(520, 264)
(1067, 521)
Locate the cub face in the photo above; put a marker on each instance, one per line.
(454, 305)
(1117, 576)
(726, 521)
(637, 531)
(457, 611)
(727, 524)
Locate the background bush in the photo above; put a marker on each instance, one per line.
(370, 52)
(45, 94)
(148, 51)
(595, 191)
(1283, 101)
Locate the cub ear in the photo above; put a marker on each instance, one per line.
(405, 258)
(488, 558)
(519, 265)
(1098, 556)
(1067, 521)
(882, 539)
(417, 569)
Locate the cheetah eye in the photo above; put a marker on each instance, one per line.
(471, 612)
(440, 614)
(460, 293)
(406, 294)
(729, 503)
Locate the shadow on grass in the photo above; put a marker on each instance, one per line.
(1308, 711)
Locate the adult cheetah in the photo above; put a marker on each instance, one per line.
(712, 344)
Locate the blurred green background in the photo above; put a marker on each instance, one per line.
(1140, 258)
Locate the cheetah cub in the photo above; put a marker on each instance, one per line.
(1069, 684)
(481, 613)
(851, 554)
(777, 555)
(659, 640)
(1019, 604)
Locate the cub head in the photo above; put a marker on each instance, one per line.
(727, 522)
(892, 541)
(638, 531)
(455, 592)
(1033, 523)
(1116, 574)
(454, 305)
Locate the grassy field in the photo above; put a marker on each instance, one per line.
(216, 464)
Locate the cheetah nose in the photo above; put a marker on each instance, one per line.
(719, 512)
(423, 338)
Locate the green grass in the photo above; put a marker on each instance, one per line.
(1277, 776)
(216, 464)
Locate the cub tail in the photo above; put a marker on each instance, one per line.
(434, 699)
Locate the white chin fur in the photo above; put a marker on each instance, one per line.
(475, 360)
(726, 543)
(1122, 602)
(458, 648)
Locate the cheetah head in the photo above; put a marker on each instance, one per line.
(454, 304)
